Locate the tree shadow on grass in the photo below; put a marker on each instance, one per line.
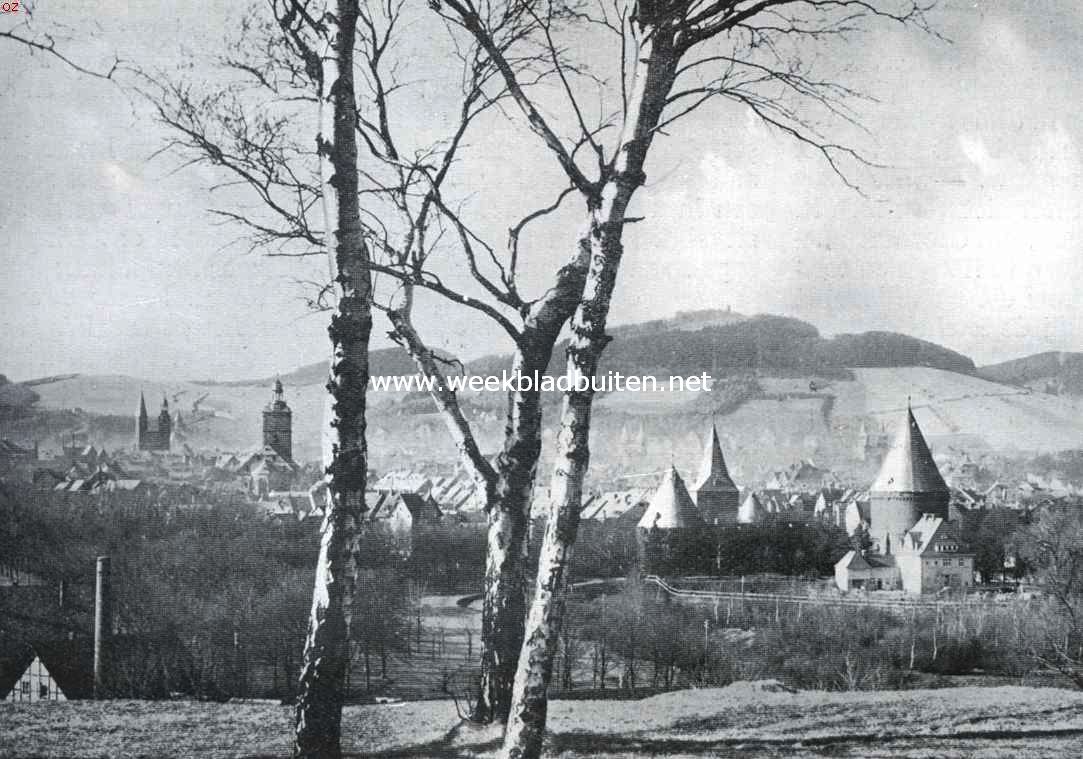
(448, 746)
(582, 744)
(638, 745)
(452, 745)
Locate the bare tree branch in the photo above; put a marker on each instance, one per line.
(468, 17)
(45, 43)
(446, 398)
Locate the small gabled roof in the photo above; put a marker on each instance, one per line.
(855, 560)
(613, 503)
(69, 662)
(852, 560)
(224, 460)
(925, 533)
(404, 481)
(422, 507)
(713, 473)
(671, 507)
(909, 466)
(382, 504)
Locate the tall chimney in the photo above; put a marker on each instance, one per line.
(103, 626)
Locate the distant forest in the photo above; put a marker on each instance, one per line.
(1051, 372)
(774, 345)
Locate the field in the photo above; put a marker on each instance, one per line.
(949, 404)
(442, 658)
(745, 719)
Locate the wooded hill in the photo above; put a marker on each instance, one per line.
(1050, 372)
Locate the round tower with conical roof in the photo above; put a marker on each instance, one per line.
(751, 511)
(278, 424)
(671, 507)
(671, 528)
(717, 497)
(908, 486)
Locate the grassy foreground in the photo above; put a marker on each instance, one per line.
(745, 719)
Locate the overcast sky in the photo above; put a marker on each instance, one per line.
(971, 237)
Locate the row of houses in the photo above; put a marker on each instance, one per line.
(456, 493)
(829, 505)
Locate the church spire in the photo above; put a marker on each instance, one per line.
(278, 423)
(713, 473)
(148, 438)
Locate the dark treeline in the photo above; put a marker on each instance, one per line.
(211, 601)
(641, 640)
(774, 547)
(613, 549)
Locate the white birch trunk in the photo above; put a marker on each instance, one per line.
(653, 78)
(318, 715)
(504, 605)
(509, 485)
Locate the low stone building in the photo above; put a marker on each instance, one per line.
(933, 557)
(859, 570)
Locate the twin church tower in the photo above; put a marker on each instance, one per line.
(277, 426)
(158, 437)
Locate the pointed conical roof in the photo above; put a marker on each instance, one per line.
(909, 466)
(671, 506)
(713, 474)
(142, 405)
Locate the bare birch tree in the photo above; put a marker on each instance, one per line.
(673, 57)
(318, 720)
(311, 65)
(407, 191)
(408, 219)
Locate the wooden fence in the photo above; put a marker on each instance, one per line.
(863, 601)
